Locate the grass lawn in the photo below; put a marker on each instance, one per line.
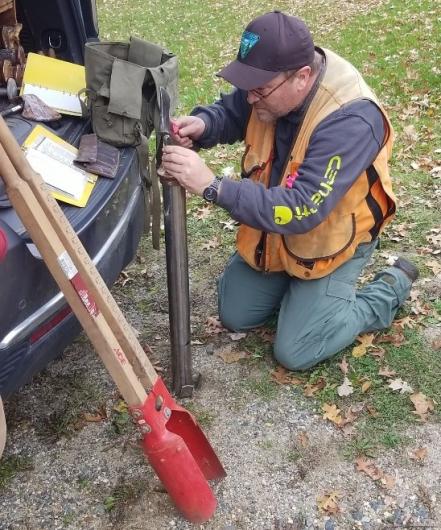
(395, 44)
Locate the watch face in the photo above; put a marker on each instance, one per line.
(210, 194)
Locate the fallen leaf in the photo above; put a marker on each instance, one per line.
(367, 466)
(228, 355)
(350, 416)
(229, 225)
(395, 337)
(311, 388)
(377, 351)
(283, 377)
(359, 351)
(344, 366)
(213, 326)
(203, 212)
(423, 405)
(237, 336)
(372, 411)
(367, 339)
(328, 503)
(388, 481)
(366, 342)
(346, 388)
(366, 386)
(435, 267)
(94, 418)
(332, 413)
(405, 322)
(212, 243)
(419, 454)
(399, 384)
(385, 371)
(266, 334)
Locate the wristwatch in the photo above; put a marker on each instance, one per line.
(210, 192)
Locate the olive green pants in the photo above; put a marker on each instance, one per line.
(317, 318)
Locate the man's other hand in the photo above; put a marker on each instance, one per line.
(187, 167)
(188, 128)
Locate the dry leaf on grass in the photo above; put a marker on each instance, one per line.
(332, 413)
(366, 386)
(366, 342)
(423, 405)
(405, 322)
(399, 384)
(328, 503)
(346, 388)
(203, 213)
(312, 388)
(212, 243)
(283, 377)
(344, 366)
(229, 225)
(385, 371)
(395, 337)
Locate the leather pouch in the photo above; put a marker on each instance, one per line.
(97, 156)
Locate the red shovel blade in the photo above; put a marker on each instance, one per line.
(180, 454)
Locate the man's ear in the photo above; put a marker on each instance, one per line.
(303, 76)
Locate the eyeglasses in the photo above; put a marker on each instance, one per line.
(262, 95)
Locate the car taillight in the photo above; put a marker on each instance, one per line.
(3, 245)
(50, 324)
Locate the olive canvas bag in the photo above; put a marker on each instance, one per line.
(121, 98)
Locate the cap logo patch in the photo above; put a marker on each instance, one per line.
(247, 43)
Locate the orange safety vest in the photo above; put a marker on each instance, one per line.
(361, 214)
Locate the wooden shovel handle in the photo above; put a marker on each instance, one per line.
(69, 280)
(93, 280)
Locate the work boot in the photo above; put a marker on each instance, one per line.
(407, 267)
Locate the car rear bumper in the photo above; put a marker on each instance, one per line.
(21, 358)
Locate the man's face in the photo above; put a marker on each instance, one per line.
(280, 96)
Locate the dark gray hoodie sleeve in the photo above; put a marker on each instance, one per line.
(225, 120)
(347, 142)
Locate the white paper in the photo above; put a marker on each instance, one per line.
(61, 101)
(57, 175)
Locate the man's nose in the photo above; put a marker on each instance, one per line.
(252, 98)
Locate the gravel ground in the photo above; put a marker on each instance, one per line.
(279, 454)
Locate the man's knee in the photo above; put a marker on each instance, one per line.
(299, 356)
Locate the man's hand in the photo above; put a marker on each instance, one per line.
(188, 128)
(187, 167)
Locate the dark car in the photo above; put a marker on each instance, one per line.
(35, 322)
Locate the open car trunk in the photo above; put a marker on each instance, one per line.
(34, 322)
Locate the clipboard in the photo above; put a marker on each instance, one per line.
(63, 153)
(54, 81)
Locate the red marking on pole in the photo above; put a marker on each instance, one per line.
(83, 293)
(121, 357)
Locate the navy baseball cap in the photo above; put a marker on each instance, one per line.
(272, 43)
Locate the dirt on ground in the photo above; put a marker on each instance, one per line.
(76, 461)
